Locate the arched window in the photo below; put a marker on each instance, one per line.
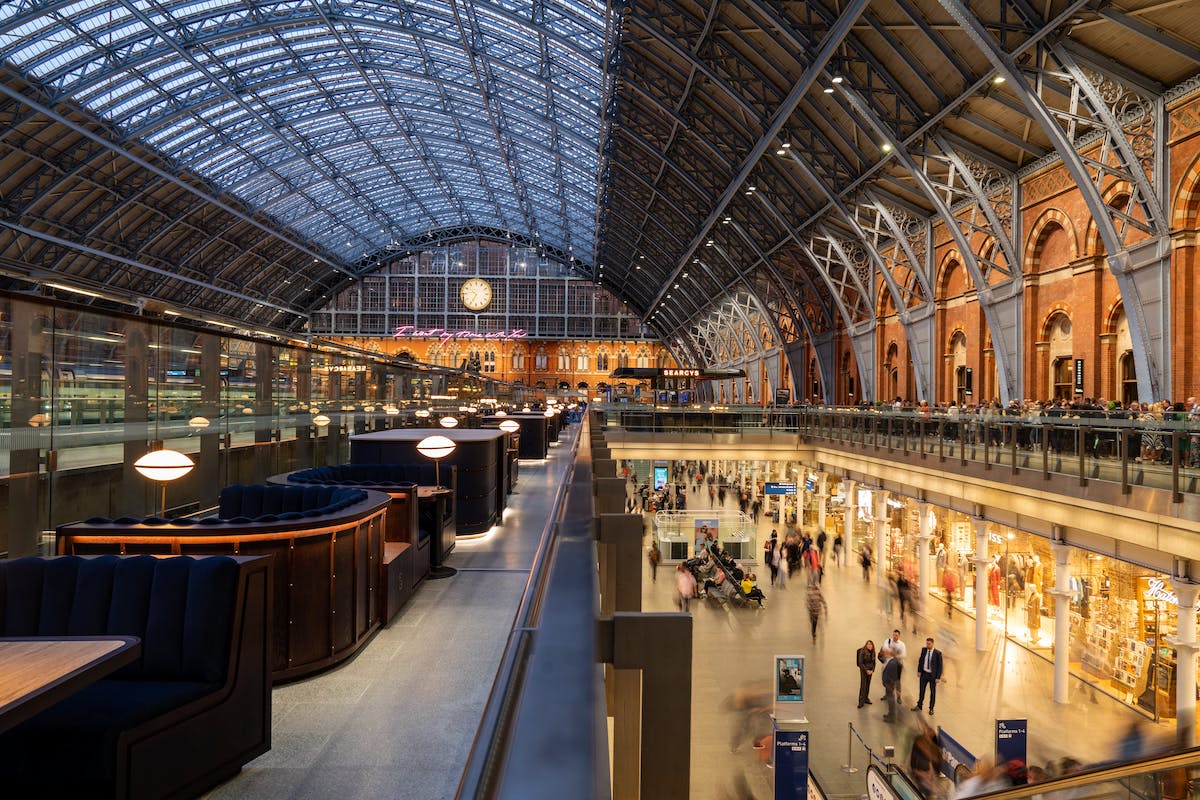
(564, 359)
(489, 360)
(518, 359)
(643, 357)
(583, 361)
(622, 358)
(540, 360)
(662, 360)
(602, 360)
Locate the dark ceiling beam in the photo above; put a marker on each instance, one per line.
(771, 132)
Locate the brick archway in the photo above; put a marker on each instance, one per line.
(1042, 227)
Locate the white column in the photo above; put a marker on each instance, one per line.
(981, 561)
(881, 513)
(822, 504)
(924, 534)
(1062, 620)
(1186, 647)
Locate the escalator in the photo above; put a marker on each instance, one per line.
(1164, 777)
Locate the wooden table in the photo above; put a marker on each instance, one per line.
(37, 672)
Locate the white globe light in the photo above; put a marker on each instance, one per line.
(422, 413)
(548, 413)
(198, 423)
(391, 411)
(320, 420)
(39, 420)
(247, 410)
(510, 426)
(368, 409)
(435, 447)
(163, 465)
(448, 422)
(501, 413)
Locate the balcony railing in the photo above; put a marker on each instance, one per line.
(1154, 453)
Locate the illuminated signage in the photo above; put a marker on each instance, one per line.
(348, 368)
(443, 335)
(681, 373)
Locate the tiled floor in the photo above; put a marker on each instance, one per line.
(734, 650)
(397, 722)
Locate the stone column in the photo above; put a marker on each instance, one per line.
(1186, 646)
(981, 561)
(880, 535)
(1062, 620)
(924, 535)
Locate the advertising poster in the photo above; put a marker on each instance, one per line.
(957, 761)
(706, 529)
(660, 477)
(789, 688)
(791, 765)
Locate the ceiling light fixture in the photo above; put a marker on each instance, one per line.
(997, 80)
(837, 78)
(887, 147)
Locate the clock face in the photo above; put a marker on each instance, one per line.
(476, 294)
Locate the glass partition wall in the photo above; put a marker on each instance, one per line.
(85, 393)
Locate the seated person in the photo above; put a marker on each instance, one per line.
(751, 590)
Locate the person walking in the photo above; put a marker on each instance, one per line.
(685, 584)
(769, 554)
(865, 658)
(892, 670)
(654, 556)
(837, 550)
(864, 558)
(817, 607)
(929, 670)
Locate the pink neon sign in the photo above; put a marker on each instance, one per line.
(443, 335)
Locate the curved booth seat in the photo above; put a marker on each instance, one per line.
(480, 459)
(408, 520)
(330, 592)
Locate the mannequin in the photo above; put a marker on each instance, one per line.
(1033, 614)
(993, 578)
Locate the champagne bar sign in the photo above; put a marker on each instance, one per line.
(443, 335)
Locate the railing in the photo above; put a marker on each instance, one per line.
(1168, 777)
(1160, 454)
(542, 734)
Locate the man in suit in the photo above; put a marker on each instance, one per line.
(929, 670)
(891, 684)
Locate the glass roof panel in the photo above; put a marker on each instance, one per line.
(355, 124)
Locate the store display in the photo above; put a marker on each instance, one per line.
(1129, 670)
(1099, 641)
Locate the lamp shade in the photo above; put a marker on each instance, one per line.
(422, 413)
(247, 410)
(369, 409)
(510, 426)
(548, 413)
(448, 422)
(501, 413)
(435, 447)
(198, 423)
(391, 411)
(320, 420)
(39, 420)
(163, 465)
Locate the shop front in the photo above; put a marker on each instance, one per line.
(1122, 617)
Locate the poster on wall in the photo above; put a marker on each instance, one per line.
(705, 530)
(789, 689)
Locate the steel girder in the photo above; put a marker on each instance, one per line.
(778, 119)
(1125, 121)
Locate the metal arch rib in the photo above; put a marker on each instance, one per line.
(1005, 362)
(49, 113)
(83, 248)
(1149, 383)
(836, 34)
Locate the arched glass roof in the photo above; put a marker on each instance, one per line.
(353, 124)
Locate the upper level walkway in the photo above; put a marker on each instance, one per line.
(1076, 481)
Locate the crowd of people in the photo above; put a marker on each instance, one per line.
(1148, 441)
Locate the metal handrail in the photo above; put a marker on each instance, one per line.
(494, 745)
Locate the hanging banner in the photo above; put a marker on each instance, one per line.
(779, 488)
(791, 765)
(704, 530)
